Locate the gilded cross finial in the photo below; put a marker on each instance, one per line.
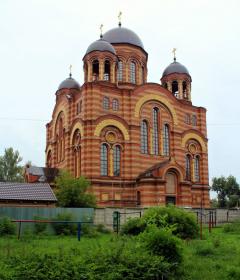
(70, 71)
(119, 19)
(174, 53)
(101, 31)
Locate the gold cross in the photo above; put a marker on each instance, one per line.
(174, 53)
(119, 16)
(101, 29)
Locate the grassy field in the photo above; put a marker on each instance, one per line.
(217, 256)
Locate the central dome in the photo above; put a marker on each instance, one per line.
(120, 35)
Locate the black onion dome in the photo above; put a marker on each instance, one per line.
(69, 83)
(123, 35)
(175, 67)
(102, 46)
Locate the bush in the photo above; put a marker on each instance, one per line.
(102, 229)
(133, 226)
(163, 243)
(232, 227)
(40, 227)
(122, 258)
(182, 223)
(6, 226)
(65, 228)
(89, 230)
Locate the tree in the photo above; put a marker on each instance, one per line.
(227, 189)
(72, 192)
(10, 170)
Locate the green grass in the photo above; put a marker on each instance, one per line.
(217, 256)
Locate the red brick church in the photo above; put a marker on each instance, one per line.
(139, 143)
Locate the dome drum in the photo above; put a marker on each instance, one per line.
(177, 79)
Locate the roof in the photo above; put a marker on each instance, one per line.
(101, 45)
(148, 172)
(69, 83)
(175, 67)
(46, 174)
(123, 35)
(26, 191)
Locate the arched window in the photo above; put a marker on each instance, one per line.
(120, 71)
(116, 160)
(166, 144)
(194, 120)
(107, 70)
(105, 103)
(49, 159)
(184, 85)
(188, 167)
(175, 88)
(196, 169)
(77, 153)
(57, 148)
(143, 79)
(104, 160)
(187, 119)
(155, 132)
(95, 70)
(115, 105)
(144, 137)
(165, 85)
(132, 72)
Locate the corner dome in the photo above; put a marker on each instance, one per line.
(101, 45)
(123, 35)
(69, 83)
(175, 67)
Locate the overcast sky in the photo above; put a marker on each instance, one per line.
(40, 38)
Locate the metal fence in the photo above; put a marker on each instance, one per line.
(80, 215)
(28, 213)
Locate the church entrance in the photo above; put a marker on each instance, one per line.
(170, 200)
(171, 188)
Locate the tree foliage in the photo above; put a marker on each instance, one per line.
(10, 170)
(227, 190)
(72, 192)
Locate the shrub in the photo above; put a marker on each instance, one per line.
(232, 227)
(121, 259)
(182, 223)
(40, 227)
(163, 243)
(233, 272)
(133, 226)
(88, 230)
(65, 228)
(102, 229)
(6, 226)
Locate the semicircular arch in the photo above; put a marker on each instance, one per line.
(111, 122)
(154, 97)
(76, 126)
(194, 136)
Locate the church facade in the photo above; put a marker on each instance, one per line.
(139, 143)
